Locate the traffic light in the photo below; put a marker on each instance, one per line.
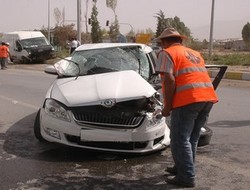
(107, 23)
(89, 21)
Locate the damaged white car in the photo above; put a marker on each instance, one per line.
(104, 99)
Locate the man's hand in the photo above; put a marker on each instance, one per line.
(166, 111)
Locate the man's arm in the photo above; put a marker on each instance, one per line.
(169, 90)
(8, 52)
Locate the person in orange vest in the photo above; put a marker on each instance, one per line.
(188, 95)
(4, 54)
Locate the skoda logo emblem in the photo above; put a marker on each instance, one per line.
(108, 103)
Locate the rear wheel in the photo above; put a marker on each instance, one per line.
(37, 127)
(205, 137)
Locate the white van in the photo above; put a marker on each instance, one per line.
(28, 46)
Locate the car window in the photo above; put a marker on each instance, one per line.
(153, 58)
(113, 59)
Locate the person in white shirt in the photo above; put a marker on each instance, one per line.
(73, 45)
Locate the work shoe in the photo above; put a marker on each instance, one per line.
(178, 182)
(172, 170)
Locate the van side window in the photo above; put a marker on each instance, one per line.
(18, 46)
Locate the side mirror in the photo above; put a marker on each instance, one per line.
(50, 70)
(67, 68)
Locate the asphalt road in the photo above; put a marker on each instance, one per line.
(25, 163)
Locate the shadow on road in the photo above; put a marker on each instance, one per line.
(230, 124)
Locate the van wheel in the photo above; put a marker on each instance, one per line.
(205, 136)
(37, 127)
(23, 60)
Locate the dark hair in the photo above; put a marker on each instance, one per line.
(173, 39)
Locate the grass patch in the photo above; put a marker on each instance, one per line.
(231, 58)
(62, 53)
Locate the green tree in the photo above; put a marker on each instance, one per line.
(180, 27)
(161, 23)
(246, 34)
(175, 22)
(114, 29)
(96, 33)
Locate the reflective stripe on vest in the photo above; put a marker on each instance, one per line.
(189, 70)
(194, 85)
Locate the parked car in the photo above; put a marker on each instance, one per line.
(104, 99)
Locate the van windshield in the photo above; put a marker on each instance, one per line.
(34, 42)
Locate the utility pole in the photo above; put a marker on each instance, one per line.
(211, 30)
(79, 20)
(49, 20)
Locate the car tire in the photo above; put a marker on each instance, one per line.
(37, 128)
(205, 137)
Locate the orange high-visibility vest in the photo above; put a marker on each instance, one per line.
(192, 81)
(3, 51)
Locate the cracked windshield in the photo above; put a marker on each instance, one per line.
(112, 59)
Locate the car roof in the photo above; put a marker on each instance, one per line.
(144, 47)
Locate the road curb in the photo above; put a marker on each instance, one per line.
(234, 75)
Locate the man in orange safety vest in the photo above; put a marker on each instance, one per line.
(4, 54)
(188, 95)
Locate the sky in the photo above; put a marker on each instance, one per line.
(229, 15)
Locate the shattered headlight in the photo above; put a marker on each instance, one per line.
(155, 116)
(54, 109)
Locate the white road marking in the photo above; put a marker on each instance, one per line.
(19, 102)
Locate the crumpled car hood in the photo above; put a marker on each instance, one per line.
(94, 89)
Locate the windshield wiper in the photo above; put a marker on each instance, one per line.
(99, 70)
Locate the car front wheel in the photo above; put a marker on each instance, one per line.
(37, 128)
